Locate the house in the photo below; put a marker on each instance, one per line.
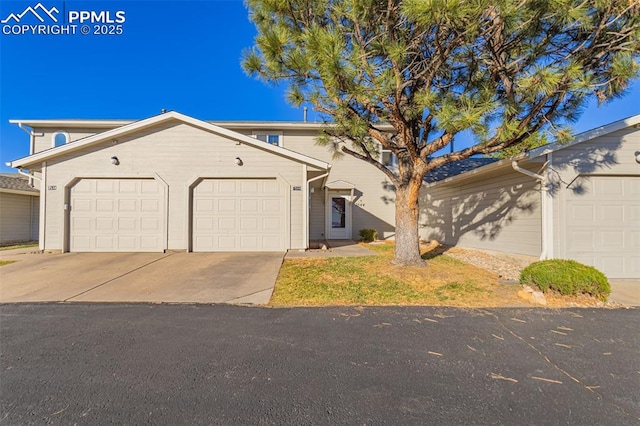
(19, 209)
(579, 201)
(172, 182)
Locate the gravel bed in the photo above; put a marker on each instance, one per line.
(507, 268)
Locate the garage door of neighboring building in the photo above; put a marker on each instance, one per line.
(117, 215)
(603, 224)
(239, 215)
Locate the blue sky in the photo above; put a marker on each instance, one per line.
(176, 55)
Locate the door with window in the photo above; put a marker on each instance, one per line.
(338, 215)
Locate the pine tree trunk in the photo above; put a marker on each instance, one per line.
(407, 238)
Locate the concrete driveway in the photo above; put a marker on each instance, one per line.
(237, 278)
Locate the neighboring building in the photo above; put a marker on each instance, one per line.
(172, 182)
(579, 201)
(19, 209)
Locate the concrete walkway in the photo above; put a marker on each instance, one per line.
(335, 248)
(625, 292)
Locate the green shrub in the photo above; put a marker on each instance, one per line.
(566, 277)
(368, 235)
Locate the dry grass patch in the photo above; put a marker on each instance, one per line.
(375, 280)
(7, 262)
(19, 246)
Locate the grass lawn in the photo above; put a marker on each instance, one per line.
(6, 262)
(374, 280)
(19, 246)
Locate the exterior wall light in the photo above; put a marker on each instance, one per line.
(239, 161)
(115, 161)
(637, 156)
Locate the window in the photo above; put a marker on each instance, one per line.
(59, 138)
(338, 212)
(388, 158)
(270, 138)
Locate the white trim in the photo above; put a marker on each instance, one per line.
(94, 124)
(111, 124)
(305, 208)
(587, 136)
(340, 184)
(43, 207)
(19, 192)
(155, 120)
(549, 210)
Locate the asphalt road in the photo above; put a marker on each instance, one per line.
(181, 364)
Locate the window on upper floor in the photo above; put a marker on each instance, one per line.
(59, 138)
(388, 158)
(272, 138)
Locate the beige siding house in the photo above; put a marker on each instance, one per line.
(575, 201)
(19, 209)
(172, 182)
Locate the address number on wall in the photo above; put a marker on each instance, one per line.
(52, 187)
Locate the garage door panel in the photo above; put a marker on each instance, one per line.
(117, 215)
(104, 206)
(127, 224)
(603, 224)
(128, 187)
(82, 205)
(105, 186)
(125, 206)
(238, 215)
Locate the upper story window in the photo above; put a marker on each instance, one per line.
(272, 138)
(59, 138)
(388, 158)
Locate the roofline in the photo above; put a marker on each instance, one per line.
(634, 120)
(109, 124)
(34, 193)
(94, 124)
(478, 170)
(546, 149)
(152, 121)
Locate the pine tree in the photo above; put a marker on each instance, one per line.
(511, 73)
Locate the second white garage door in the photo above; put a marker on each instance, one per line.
(603, 224)
(239, 215)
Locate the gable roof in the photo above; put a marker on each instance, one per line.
(17, 184)
(466, 167)
(156, 120)
(634, 120)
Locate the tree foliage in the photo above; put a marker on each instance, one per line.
(511, 73)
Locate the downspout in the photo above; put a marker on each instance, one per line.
(32, 143)
(543, 204)
(308, 203)
(20, 172)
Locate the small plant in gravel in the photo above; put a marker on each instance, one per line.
(567, 277)
(368, 235)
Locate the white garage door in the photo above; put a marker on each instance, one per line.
(239, 215)
(117, 215)
(603, 224)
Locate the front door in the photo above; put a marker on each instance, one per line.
(339, 215)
